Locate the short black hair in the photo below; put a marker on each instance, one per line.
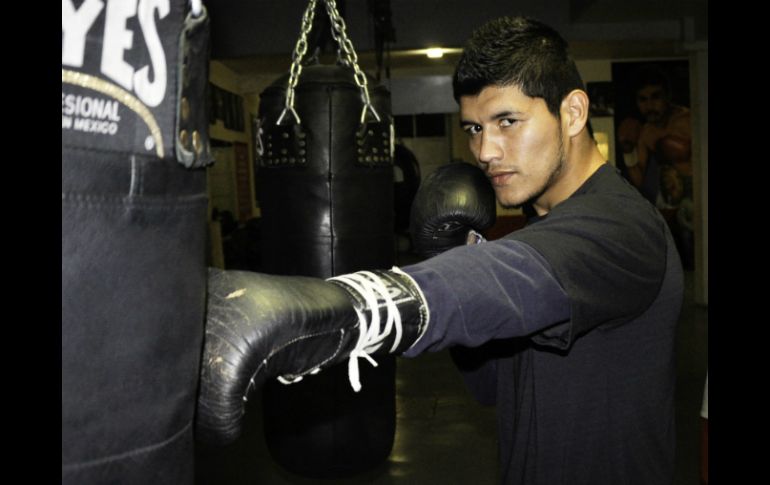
(518, 51)
(651, 75)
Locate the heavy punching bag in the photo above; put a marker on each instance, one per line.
(325, 185)
(134, 136)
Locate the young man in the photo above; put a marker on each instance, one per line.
(590, 292)
(580, 306)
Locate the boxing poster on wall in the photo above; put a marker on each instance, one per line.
(653, 132)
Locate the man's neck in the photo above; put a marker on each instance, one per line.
(583, 160)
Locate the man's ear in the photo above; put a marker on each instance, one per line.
(574, 111)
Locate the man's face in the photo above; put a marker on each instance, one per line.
(516, 141)
(652, 103)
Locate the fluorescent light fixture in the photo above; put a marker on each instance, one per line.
(434, 53)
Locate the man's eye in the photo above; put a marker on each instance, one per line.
(507, 122)
(472, 130)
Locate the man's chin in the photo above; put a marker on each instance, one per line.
(509, 203)
(511, 199)
(511, 206)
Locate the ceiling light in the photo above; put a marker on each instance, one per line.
(434, 53)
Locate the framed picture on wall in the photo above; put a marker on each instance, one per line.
(653, 130)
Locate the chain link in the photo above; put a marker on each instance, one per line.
(346, 54)
(296, 62)
(339, 32)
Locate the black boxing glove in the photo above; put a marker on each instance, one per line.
(261, 326)
(452, 201)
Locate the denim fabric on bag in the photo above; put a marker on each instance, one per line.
(134, 136)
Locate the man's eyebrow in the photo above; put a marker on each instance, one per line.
(504, 114)
(497, 116)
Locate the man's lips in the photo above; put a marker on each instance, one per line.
(500, 178)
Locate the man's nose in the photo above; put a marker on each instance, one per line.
(490, 149)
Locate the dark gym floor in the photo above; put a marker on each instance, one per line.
(443, 436)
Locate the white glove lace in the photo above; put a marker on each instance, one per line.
(371, 335)
(195, 7)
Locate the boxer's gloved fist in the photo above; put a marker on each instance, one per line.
(450, 202)
(261, 326)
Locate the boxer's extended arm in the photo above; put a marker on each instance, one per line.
(496, 290)
(263, 326)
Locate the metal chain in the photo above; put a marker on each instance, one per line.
(346, 53)
(346, 56)
(350, 57)
(296, 62)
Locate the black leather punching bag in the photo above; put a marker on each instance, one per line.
(134, 134)
(326, 196)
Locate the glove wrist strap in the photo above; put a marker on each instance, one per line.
(392, 314)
